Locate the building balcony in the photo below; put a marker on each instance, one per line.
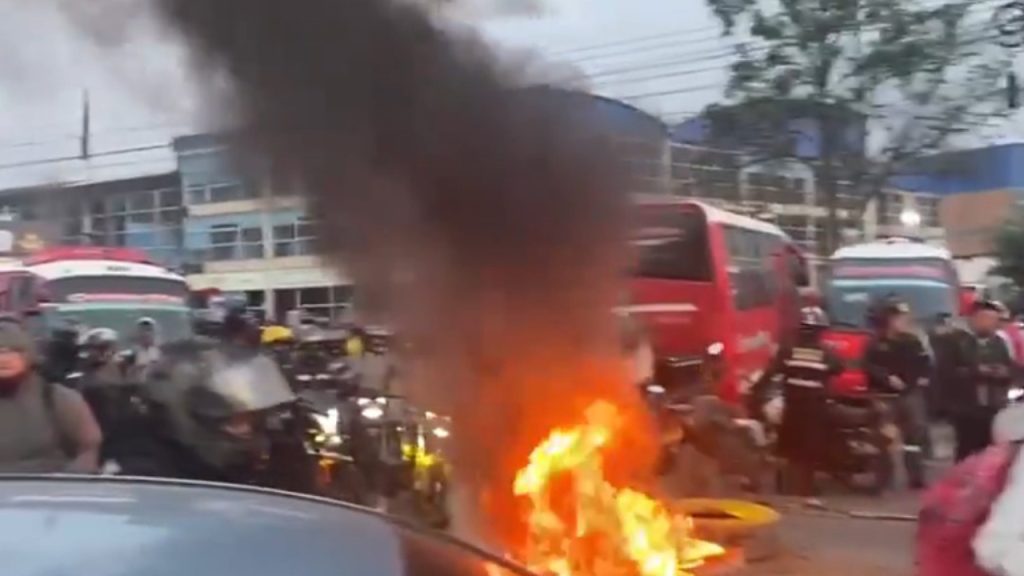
(246, 205)
(268, 274)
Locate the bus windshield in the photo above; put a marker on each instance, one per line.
(923, 284)
(172, 322)
(117, 288)
(672, 244)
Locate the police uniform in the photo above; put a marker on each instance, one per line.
(903, 356)
(806, 369)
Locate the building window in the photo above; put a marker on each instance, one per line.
(330, 303)
(232, 242)
(146, 219)
(219, 192)
(294, 239)
(928, 206)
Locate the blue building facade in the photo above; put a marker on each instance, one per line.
(242, 236)
(986, 169)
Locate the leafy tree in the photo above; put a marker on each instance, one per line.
(880, 82)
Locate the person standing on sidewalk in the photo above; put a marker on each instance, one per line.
(898, 364)
(983, 370)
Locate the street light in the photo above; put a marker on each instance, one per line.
(910, 218)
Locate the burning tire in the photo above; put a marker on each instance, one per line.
(736, 524)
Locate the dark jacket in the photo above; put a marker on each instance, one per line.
(805, 371)
(982, 370)
(903, 356)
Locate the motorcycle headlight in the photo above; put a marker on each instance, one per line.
(372, 412)
(655, 389)
(441, 432)
(328, 422)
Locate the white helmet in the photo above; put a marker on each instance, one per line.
(99, 337)
(813, 317)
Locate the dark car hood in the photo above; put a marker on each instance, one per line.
(122, 527)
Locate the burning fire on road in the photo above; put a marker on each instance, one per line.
(580, 524)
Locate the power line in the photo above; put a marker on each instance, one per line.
(629, 41)
(662, 46)
(673, 92)
(693, 71)
(676, 74)
(717, 34)
(717, 55)
(68, 137)
(78, 158)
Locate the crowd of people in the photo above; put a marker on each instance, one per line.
(960, 374)
(92, 400)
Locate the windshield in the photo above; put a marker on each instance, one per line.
(117, 288)
(847, 301)
(172, 322)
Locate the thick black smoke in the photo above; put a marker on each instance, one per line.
(486, 220)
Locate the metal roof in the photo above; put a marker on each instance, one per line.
(713, 214)
(892, 248)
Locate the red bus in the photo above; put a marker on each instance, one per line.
(709, 279)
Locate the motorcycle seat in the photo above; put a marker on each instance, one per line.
(848, 416)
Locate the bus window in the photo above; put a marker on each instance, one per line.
(673, 246)
(751, 270)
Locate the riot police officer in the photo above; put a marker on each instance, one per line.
(215, 408)
(805, 368)
(897, 364)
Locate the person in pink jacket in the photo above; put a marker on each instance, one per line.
(999, 543)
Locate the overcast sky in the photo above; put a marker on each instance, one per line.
(664, 56)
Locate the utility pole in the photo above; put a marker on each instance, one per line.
(1009, 22)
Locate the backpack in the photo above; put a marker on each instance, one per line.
(955, 508)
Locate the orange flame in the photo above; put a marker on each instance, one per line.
(613, 531)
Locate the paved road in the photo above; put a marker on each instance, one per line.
(853, 535)
(835, 544)
(830, 544)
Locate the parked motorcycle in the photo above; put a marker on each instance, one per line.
(425, 448)
(861, 437)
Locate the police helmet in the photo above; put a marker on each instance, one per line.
(277, 335)
(99, 338)
(885, 309)
(813, 317)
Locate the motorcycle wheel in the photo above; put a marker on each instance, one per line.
(438, 513)
(876, 476)
(351, 485)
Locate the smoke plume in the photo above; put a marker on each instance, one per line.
(484, 219)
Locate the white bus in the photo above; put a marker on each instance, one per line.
(92, 287)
